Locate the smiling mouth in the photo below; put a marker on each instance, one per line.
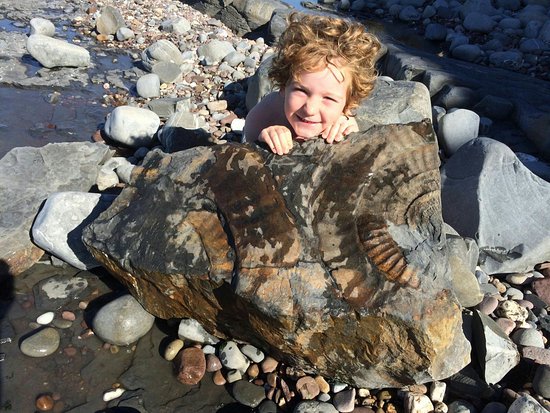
(306, 121)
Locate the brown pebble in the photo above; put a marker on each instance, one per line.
(218, 378)
(86, 333)
(271, 393)
(259, 382)
(27, 304)
(272, 379)
(59, 407)
(44, 403)
(253, 371)
(106, 346)
(418, 389)
(83, 305)
(114, 349)
(213, 363)
(190, 365)
(269, 364)
(56, 396)
(286, 390)
(324, 387)
(307, 387)
(68, 315)
(390, 408)
(70, 351)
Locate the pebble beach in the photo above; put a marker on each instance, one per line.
(73, 340)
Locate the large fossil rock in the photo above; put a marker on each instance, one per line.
(331, 258)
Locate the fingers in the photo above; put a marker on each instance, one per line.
(278, 138)
(338, 130)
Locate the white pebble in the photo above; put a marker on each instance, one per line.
(418, 403)
(437, 391)
(338, 387)
(233, 376)
(208, 349)
(45, 318)
(113, 394)
(173, 349)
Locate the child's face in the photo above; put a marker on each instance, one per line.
(315, 100)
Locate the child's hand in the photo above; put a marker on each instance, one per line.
(342, 127)
(278, 138)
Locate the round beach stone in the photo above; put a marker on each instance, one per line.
(42, 26)
(513, 293)
(46, 318)
(122, 321)
(494, 407)
(191, 365)
(213, 363)
(541, 381)
(218, 378)
(172, 349)
(248, 393)
(232, 358)
(41, 343)
(132, 126)
(148, 86)
(478, 22)
(456, 128)
(528, 337)
(512, 310)
(257, 356)
(313, 406)
(269, 364)
(344, 401)
(488, 304)
(418, 403)
(307, 387)
(506, 325)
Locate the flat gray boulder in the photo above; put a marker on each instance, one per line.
(30, 175)
(489, 195)
(52, 52)
(58, 226)
(394, 102)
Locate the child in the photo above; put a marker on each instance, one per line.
(323, 68)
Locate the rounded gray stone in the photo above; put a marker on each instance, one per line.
(456, 128)
(109, 21)
(247, 393)
(478, 22)
(124, 33)
(267, 406)
(467, 52)
(52, 52)
(528, 337)
(215, 50)
(435, 31)
(541, 381)
(41, 343)
(122, 321)
(312, 406)
(132, 126)
(42, 26)
(148, 86)
(168, 72)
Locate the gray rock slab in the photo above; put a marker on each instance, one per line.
(496, 353)
(167, 72)
(123, 321)
(394, 102)
(52, 52)
(41, 171)
(58, 226)
(489, 195)
(132, 126)
(181, 131)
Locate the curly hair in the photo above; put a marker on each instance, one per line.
(312, 42)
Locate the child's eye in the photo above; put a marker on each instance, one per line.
(331, 99)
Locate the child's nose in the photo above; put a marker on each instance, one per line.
(311, 106)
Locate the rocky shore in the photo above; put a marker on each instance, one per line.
(86, 345)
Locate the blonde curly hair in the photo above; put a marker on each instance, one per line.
(311, 43)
